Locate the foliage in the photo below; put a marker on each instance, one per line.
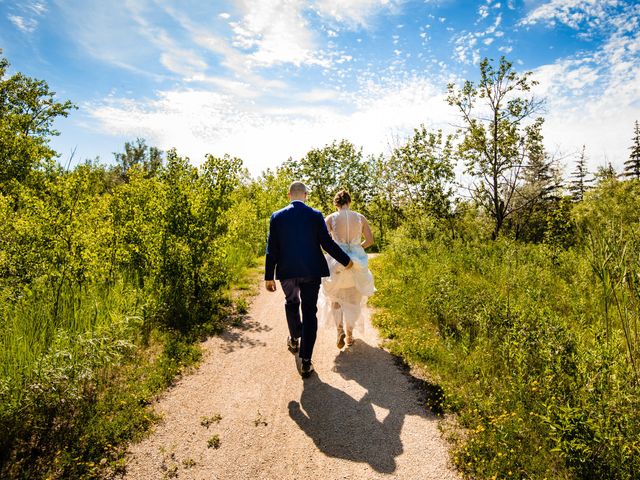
(415, 180)
(383, 210)
(138, 154)
(632, 166)
(535, 346)
(82, 253)
(27, 111)
(495, 148)
(372, 182)
(605, 173)
(329, 169)
(110, 273)
(580, 184)
(423, 173)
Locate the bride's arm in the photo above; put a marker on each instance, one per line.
(327, 220)
(366, 231)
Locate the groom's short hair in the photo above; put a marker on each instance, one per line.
(297, 188)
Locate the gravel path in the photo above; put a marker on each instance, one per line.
(358, 417)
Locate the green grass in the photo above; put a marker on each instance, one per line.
(76, 389)
(513, 334)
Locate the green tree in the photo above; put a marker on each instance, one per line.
(541, 172)
(28, 109)
(540, 189)
(138, 154)
(269, 193)
(606, 173)
(423, 172)
(632, 166)
(326, 170)
(560, 229)
(193, 251)
(579, 184)
(495, 145)
(383, 207)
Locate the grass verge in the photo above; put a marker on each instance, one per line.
(513, 335)
(90, 394)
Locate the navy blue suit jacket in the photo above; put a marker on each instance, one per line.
(296, 234)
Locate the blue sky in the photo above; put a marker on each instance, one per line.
(266, 80)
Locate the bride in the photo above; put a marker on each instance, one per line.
(345, 292)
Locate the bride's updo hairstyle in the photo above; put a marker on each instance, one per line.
(342, 198)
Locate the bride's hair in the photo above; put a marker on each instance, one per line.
(341, 198)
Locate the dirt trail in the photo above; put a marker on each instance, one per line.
(358, 417)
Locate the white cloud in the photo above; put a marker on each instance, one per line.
(108, 34)
(29, 13)
(494, 26)
(574, 13)
(354, 13)
(265, 134)
(264, 34)
(182, 61)
(466, 49)
(274, 32)
(25, 25)
(318, 95)
(239, 108)
(38, 8)
(592, 98)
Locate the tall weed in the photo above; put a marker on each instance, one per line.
(512, 332)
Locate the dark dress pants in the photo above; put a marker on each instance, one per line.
(302, 294)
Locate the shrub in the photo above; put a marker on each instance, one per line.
(513, 333)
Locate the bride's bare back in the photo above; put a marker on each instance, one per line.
(347, 226)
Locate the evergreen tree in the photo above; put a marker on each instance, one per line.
(580, 183)
(539, 192)
(632, 166)
(542, 177)
(605, 173)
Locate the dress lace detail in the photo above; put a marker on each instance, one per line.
(344, 293)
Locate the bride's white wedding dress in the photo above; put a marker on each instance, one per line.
(344, 293)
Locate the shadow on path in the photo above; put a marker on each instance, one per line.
(238, 336)
(344, 427)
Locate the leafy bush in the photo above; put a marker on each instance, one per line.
(514, 334)
(97, 269)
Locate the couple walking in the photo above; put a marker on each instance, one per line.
(297, 235)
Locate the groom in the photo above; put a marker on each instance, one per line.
(296, 234)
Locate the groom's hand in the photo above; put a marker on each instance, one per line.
(350, 265)
(270, 285)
